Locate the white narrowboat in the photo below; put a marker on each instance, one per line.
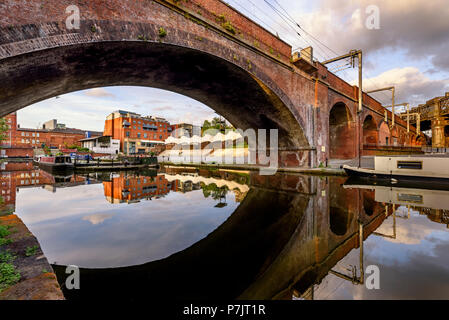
(405, 168)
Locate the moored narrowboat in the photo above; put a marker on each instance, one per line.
(55, 163)
(405, 168)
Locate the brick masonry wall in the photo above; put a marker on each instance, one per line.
(297, 98)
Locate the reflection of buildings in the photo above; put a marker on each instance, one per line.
(11, 181)
(188, 186)
(193, 182)
(432, 203)
(23, 175)
(375, 205)
(435, 215)
(124, 188)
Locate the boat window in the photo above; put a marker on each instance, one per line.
(411, 198)
(416, 165)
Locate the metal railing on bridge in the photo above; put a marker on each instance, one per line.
(431, 150)
(392, 149)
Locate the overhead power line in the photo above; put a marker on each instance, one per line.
(323, 50)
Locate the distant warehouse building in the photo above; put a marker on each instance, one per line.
(52, 135)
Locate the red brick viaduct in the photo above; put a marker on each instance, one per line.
(203, 49)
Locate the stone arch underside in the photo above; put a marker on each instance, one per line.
(225, 87)
(269, 217)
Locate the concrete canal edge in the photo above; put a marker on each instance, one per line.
(309, 171)
(21, 254)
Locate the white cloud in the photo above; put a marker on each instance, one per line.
(88, 109)
(98, 92)
(411, 84)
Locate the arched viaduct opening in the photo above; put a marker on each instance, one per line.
(384, 134)
(370, 133)
(341, 133)
(394, 137)
(218, 83)
(446, 132)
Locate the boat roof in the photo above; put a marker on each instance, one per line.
(416, 156)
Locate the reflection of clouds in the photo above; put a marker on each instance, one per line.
(134, 233)
(411, 231)
(64, 203)
(414, 266)
(97, 218)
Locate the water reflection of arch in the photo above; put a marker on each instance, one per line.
(273, 242)
(342, 212)
(370, 206)
(309, 257)
(229, 258)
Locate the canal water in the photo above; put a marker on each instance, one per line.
(187, 233)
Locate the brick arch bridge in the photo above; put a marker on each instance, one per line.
(203, 49)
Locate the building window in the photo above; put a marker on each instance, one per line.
(138, 135)
(23, 134)
(34, 142)
(127, 134)
(38, 136)
(23, 140)
(145, 135)
(160, 137)
(33, 134)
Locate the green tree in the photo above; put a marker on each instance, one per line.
(216, 124)
(4, 127)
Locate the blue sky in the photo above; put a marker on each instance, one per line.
(408, 51)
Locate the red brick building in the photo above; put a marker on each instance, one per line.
(137, 134)
(26, 138)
